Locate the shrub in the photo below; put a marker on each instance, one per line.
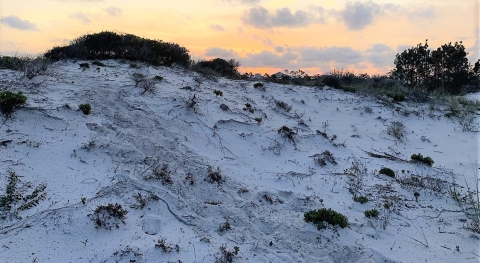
(360, 199)
(321, 216)
(224, 106)
(283, 105)
(162, 174)
(110, 45)
(387, 171)
(371, 213)
(331, 81)
(258, 120)
(218, 92)
(158, 78)
(10, 100)
(396, 96)
(148, 85)
(324, 157)
(214, 176)
(287, 132)
(419, 158)
(85, 108)
(98, 63)
(138, 77)
(14, 199)
(84, 65)
(221, 66)
(13, 63)
(107, 216)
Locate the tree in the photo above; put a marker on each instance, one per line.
(445, 68)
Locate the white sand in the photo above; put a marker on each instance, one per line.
(129, 134)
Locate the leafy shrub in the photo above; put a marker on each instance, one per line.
(10, 100)
(331, 81)
(419, 158)
(387, 171)
(218, 92)
(258, 120)
(221, 66)
(110, 45)
(321, 216)
(107, 216)
(396, 96)
(13, 63)
(85, 108)
(360, 199)
(371, 213)
(15, 198)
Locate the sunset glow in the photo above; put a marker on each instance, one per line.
(266, 36)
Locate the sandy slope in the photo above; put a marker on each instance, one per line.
(270, 181)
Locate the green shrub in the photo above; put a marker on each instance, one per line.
(157, 77)
(396, 96)
(331, 81)
(419, 158)
(85, 108)
(360, 199)
(110, 45)
(321, 216)
(258, 85)
(10, 100)
(387, 172)
(13, 63)
(371, 213)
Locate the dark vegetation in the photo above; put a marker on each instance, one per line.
(111, 45)
(321, 216)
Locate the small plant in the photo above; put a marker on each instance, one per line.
(107, 216)
(224, 107)
(84, 65)
(258, 120)
(227, 256)
(85, 108)
(282, 105)
(98, 63)
(420, 159)
(138, 77)
(158, 78)
(214, 176)
(190, 179)
(84, 200)
(133, 65)
(148, 86)
(387, 171)
(397, 130)
(416, 195)
(287, 132)
(324, 157)
(9, 101)
(258, 85)
(143, 200)
(218, 93)
(162, 174)
(192, 102)
(371, 213)
(15, 200)
(166, 247)
(360, 199)
(321, 216)
(224, 226)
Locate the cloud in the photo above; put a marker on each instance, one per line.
(217, 27)
(248, 2)
(380, 55)
(260, 17)
(265, 40)
(17, 23)
(84, 18)
(220, 52)
(417, 12)
(357, 16)
(113, 11)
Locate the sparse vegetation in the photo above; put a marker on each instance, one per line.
(85, 108)
(108, 216)
(321, 216)
(397, 130)
(162, 174)
(9, 101)
(214, 176)
(360, 199)
(387, 171)
(371, 213)
(218, 93)
(420, 159)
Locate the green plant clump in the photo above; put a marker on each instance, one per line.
(371, 213)
(387, 171)
(85, 108)
(419, 158)
(360, 199)
(10, 100)
(321, 216)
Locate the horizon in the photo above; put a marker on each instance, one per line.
(264, 36)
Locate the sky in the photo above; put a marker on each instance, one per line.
(265, 36)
